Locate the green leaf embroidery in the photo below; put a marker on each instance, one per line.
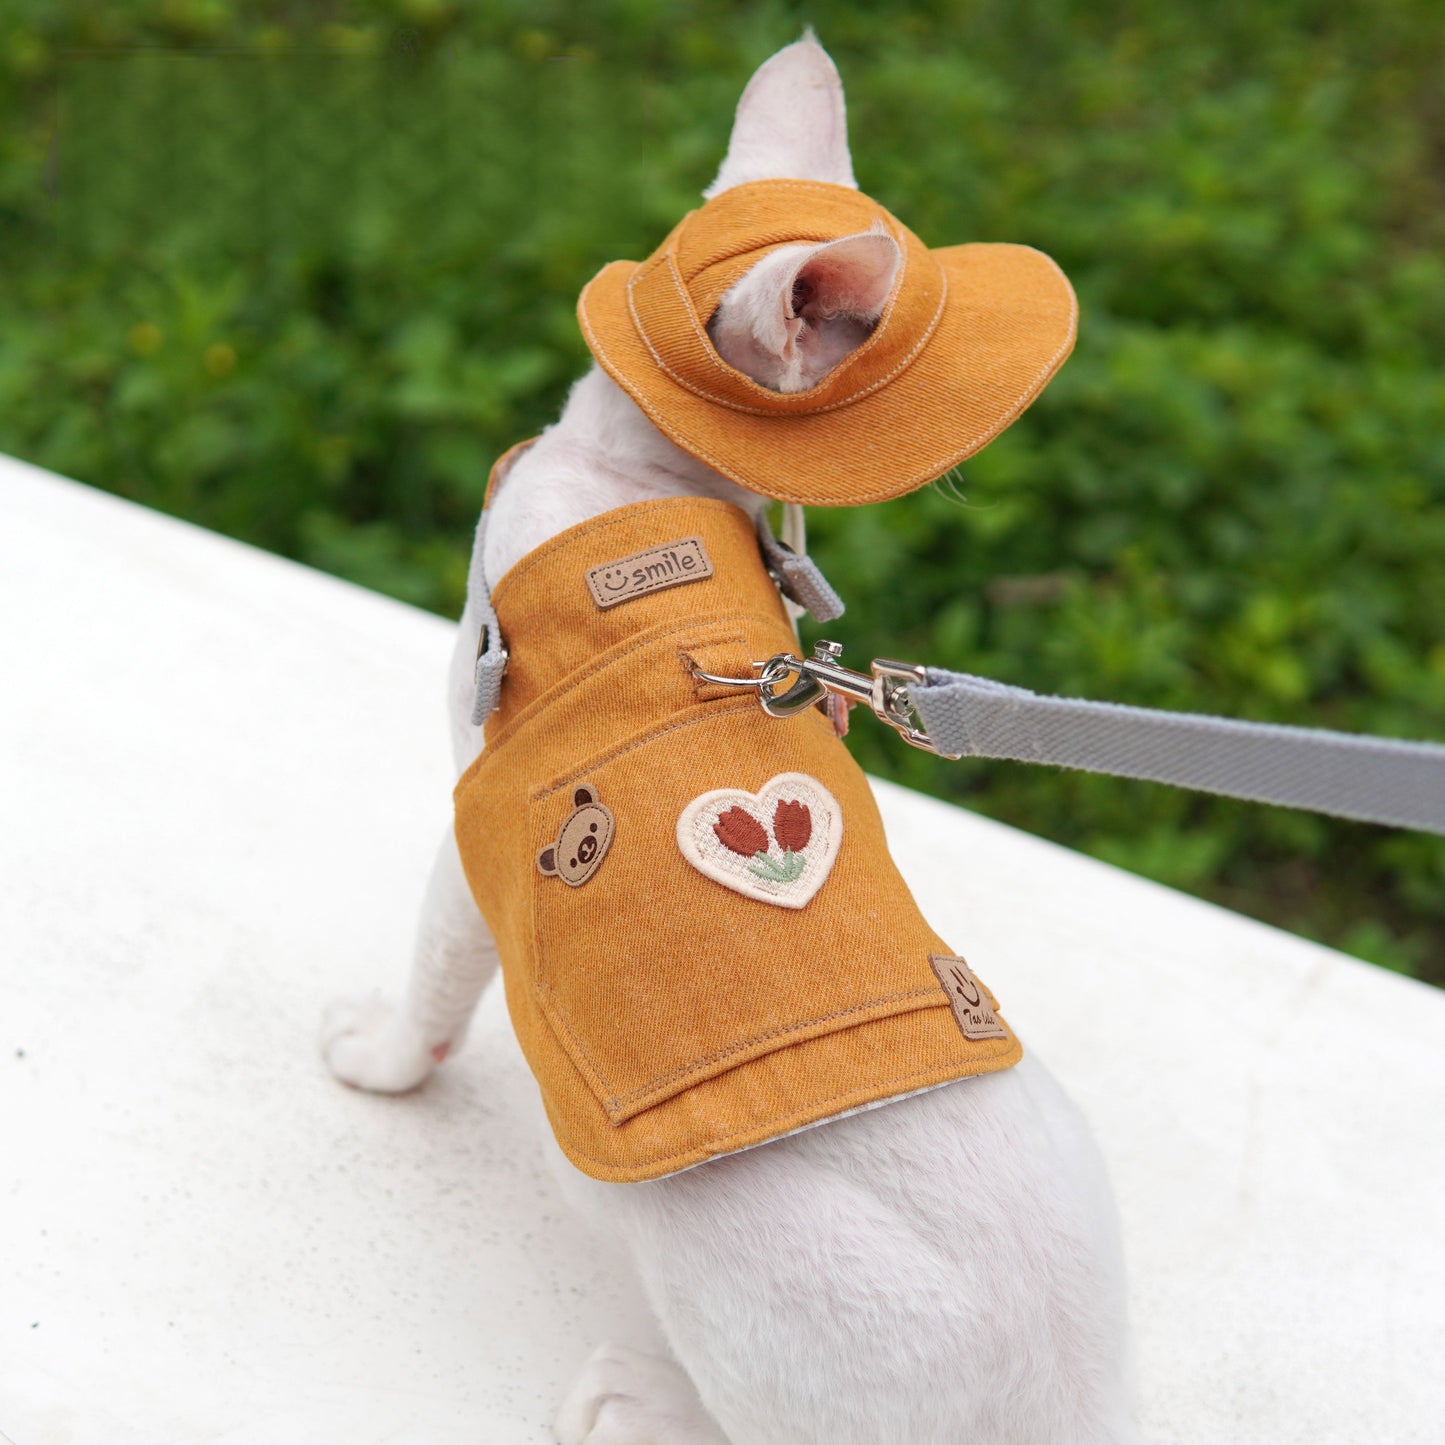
(788, 871)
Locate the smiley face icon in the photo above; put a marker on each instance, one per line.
(972, 1004)
(966, 986)
(583, 842)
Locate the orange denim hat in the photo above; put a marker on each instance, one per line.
(968, 338)
(704, 941)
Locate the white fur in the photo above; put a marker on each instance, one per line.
(791, 122)
(943, 1270)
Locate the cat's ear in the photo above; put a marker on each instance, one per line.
(802, 309)
(850, 278)
(791, 122)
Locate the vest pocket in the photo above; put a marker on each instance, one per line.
(663, 958)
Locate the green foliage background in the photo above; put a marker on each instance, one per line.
(304, 279)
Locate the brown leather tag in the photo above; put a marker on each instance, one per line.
(971, 1002)
(669, 565)
(583, 842)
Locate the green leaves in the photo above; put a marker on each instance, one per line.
(308, 298)
(788, 870)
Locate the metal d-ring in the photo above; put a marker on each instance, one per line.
(774, 670)
(883, 689)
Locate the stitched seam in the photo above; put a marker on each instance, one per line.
(576, 679)
(709, 350)
(917, 480)
(812, 187)
(601, 524)
(770, 1130)
(543, 988)
(570, 684)
(744, 704)
(781, 1031)
(557, 1019)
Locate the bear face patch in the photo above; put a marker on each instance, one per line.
(583, 842)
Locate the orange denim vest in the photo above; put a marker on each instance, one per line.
(704, 941)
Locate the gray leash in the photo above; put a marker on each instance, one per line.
(1374, 780)
(953, 714)
(1347, 775)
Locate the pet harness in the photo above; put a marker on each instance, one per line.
(704, 942)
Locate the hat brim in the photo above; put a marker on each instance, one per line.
(1007, 325)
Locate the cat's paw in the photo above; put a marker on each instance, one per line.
(371, 1044)
(623, 1397)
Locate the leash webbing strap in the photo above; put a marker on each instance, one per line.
(1370, 779)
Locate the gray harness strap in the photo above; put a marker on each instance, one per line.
(1374, 780)
(799, 578)
(491, 651)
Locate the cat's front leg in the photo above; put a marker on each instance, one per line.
(389, 1048)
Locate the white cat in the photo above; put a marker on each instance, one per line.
(944, 1270)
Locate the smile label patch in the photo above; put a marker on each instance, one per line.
(669, 565)
(971, 1002)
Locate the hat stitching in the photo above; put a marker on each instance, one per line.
(812, 186)
(747, 245)
(668, 256)
(978, 440)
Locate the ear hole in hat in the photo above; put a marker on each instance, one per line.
(803, 309)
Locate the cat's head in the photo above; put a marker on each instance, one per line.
(803, 308)
(797, 338)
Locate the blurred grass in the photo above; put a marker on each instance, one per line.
(300, 273)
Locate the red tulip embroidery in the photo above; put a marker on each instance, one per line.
(792, 825)
(740, 832)
(776, 845)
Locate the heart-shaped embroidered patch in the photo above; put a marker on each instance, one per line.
(776, 845)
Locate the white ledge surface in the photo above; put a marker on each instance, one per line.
(223, 777)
